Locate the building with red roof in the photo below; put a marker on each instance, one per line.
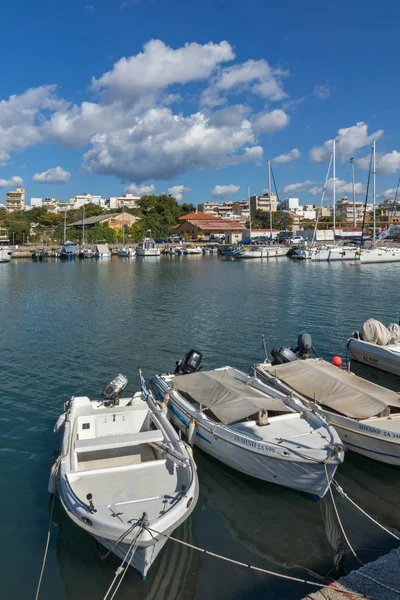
(210, 226)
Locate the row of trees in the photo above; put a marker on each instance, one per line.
(157, 213)
(262, 220)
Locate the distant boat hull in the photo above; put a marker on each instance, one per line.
(335, 254)
(380, 255)
(385, 358)
(5, 255)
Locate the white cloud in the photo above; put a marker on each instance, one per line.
(349, 140)
(386, 164)
(12, 182)
(282, 159)
(21, 117)
(140, 190)
(322, 91)
(343, 188)
(223, 191)
(254, 75)
(54, 175)
(271, 121)
(295, 188)
(159, 66)
(177, 191)
(253, 153)
(390, 193)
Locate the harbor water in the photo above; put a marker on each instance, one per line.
(67, 328)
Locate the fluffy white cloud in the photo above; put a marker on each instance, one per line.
(254, 75)
(253, 153)
(343, 188)
(21, 117)
(390, 193)
(159, 66)
(282, 159)
(54, 175)
(271, 121)
(349, 140)
(140, 190)
(386, 164)
(295, 188)
(223, 191)
(12, 182)
(177, 191)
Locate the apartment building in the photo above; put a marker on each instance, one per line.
(15, 199)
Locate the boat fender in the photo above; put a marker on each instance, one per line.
(262, 417)
(164, 404)
(52, 485)
(60, 422)
(191, 432)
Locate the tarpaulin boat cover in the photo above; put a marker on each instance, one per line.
(337, 389)
(375, 332)
(229, 399)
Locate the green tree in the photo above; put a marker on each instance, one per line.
(262, 220)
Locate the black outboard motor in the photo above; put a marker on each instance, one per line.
(281, 356)
(190, 363)
(304, 344)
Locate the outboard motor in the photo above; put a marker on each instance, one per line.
(190, 363)
(281, 356)
(304, 344)
(113, 389)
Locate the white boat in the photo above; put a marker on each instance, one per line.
(331, 253)
(192, 250)
(300, 254)
(123, 475)
(383, 254)
(5, 254)
(251, 427)
(377, 346)
(147, 247)
(365, 415)
(102, 251)
(126, 252)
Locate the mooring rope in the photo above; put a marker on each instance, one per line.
(46, 549)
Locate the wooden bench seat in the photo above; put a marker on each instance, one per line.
(117, 441)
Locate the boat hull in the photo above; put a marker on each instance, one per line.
(375, 356)
(335, 255)
(380, 255)
(5, 255)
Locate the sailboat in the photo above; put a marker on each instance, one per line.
(125, 252)
(332, 252)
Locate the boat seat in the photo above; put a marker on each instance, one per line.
(118, 441)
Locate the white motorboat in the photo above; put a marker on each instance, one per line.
(5, 253)
(365, 415)
(126, 252)
(147, 247)
(377, 346)
(251, 427)
(102, 251)
(383, 254)
(192, 250)
(123, 475)
(331, 253)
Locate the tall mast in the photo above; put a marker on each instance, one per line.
(248, 197)
(83, 224)
(374, 193)
(334, 188)
(352, 160)
(65, 226)
(123, 222)
(270, 204)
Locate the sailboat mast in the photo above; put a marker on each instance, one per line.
(270, 204)
(123, 223)
(65, 226)
(248, 197)
(374, 193)
(334, 188)
(352, 161)
(83, 224)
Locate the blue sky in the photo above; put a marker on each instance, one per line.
(103, 96)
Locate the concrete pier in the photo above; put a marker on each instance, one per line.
(379, 580)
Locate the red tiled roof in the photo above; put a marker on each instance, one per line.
(216, 224)
(196, 216)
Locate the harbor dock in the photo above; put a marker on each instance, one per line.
(378, 580)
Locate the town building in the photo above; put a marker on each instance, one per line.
(113, 220)
(236, 211)
(289, 204)
(345, 212)
(127, 201)
(83, 199)
(267, 202)
(202, 226)
(15, 200)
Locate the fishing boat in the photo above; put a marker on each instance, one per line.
(192, 250)
(87, 252)
(123, 475)
(250, 426)
(365, 415)
(5, 250)
(67, 253)
(377, 346)
(147, 247)
(126, 252)
(39, 254)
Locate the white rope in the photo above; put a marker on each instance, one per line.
(379, 583)
(45, 550)
(343, 493)
(338, 516)
(121, 570)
